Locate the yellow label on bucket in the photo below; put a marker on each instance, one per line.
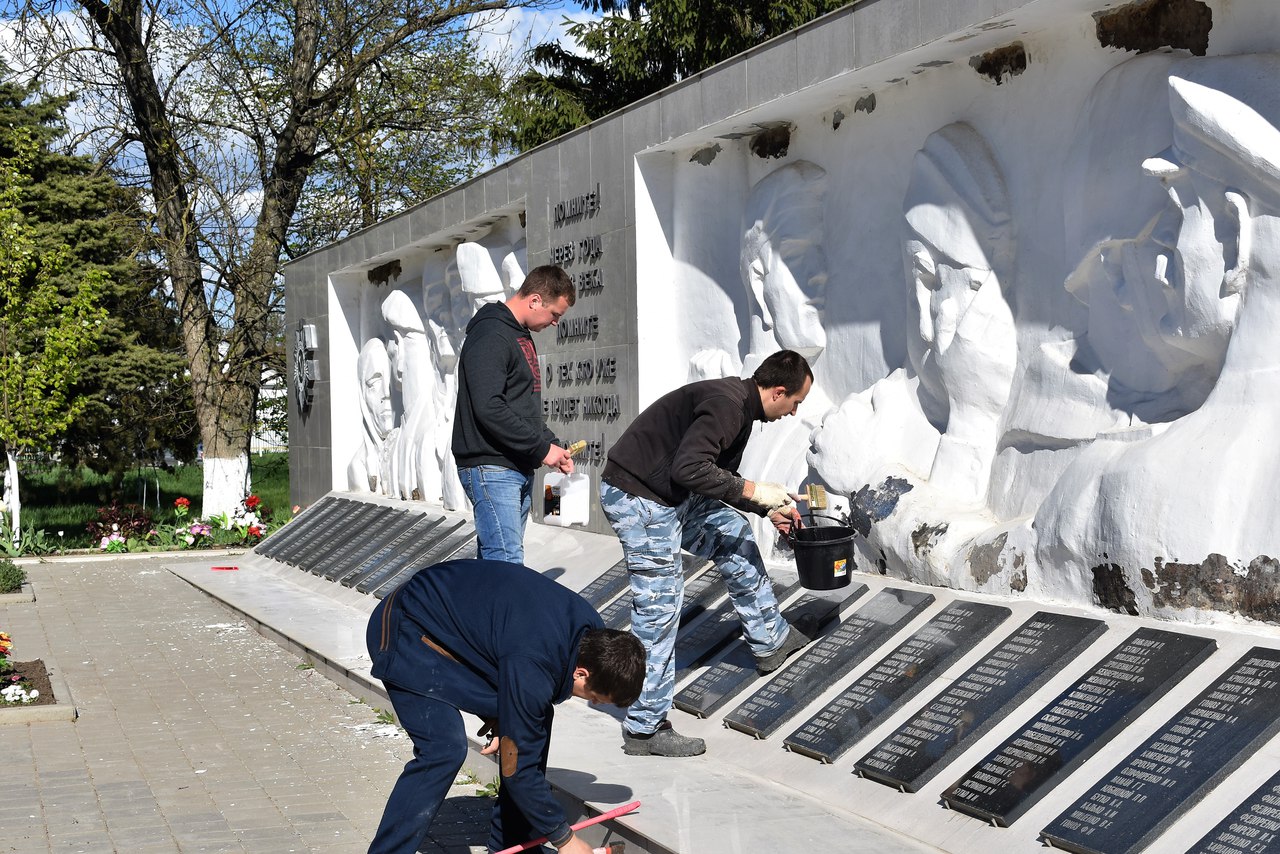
(840, 567)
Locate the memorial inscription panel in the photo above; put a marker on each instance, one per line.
(895, 679)
(279, 545)
(414, 557)
(400, 548)
(393, 533)
(607, 586)
(1191, 753)
(827, 661)
(442, 549)
(1251, 828)
(953, 719)
(731, 674)
(376, 524)
(698, 592)
(710, 635)
(348, 526)
(1076, 724)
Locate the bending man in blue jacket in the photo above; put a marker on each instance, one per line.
(505, 643)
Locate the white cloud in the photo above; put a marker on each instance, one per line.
(504, 36)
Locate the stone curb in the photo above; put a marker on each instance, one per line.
(26, 594)
(62, 709)
(94, 557)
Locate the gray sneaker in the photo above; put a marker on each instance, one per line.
(795, 641)
(664, 742)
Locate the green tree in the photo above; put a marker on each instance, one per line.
(136, 401)
(634, 50)
(44, 336)
(223, 111)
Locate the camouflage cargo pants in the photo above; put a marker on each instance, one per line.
(652, 535)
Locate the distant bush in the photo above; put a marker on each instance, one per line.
(12, 576)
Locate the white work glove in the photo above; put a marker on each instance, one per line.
(772, 496)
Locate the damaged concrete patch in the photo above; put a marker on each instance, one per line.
(837, 119)
(924, 538)
(1153, 24)
(704, 156)
(865, 104)
(1001, 63)
(873, 503)
(1111, 590)
(1215, 583)
(772, 142)
(984, 561)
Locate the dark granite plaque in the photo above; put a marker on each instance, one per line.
(285, 543)
(713, 633)
(1251, 828)
(345, 527)
(607, 587)
(1189, 755)
(1075, 725)
(376, 523)
(400, 548)
(389, 530)
(444, 549)
(827, 661)
(895, 679)
(992, 688)
(730, 675)
(617, 614)
(413, 557)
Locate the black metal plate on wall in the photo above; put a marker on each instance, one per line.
(1189, 755)
(895, 679)
(975, 702)
(827, 661)
(1076, 724)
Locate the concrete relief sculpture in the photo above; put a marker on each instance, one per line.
(1183, 515)
(410, 356)
(917, 448)
(784, 269)
(365, 473)
(444, 338)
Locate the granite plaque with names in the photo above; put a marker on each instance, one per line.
(617, 614)
(338, 531)
(1189, 755)
(961, 713)
(607, 586)
(388, 530)
(443, 549)
(827, 661)
(711, 634)
(730, 675)
(1076, 724)
(375, 524)
(400, 548)
(894, 680)
(414, 557)
(1251, 828)
(285, 543)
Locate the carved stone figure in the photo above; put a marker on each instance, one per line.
(1184, 515)
(926, 437)
(373, 367)
(411, 359)
(442, 335)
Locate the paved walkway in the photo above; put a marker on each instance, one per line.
(195, 734)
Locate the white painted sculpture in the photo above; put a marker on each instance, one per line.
(365, 472)
(444, 336)
(411, 359)
(1185, 516)
(919, 445)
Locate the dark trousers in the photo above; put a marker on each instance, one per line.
(429, 712)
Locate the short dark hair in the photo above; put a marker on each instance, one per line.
(785, 368)
(616, 662)
(549, 282)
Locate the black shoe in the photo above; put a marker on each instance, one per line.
(664, 742)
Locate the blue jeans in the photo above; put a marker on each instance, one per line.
(500, 498)
(652, 535)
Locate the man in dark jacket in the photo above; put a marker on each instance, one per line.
(499, 436)
(504, 643)
(671, 483)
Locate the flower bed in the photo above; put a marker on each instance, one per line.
(22, 683)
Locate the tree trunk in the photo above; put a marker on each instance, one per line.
(12, 499)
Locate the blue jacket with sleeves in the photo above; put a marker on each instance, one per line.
(516, 629)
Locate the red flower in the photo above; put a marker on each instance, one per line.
(255, 531)
(182, 502)
(252, 501)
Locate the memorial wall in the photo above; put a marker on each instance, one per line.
(1030, 252)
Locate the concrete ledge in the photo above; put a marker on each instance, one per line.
(26, 594)
(62, 709)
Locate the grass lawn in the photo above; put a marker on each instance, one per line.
(61, 500)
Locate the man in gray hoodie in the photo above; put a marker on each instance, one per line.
(499, 435)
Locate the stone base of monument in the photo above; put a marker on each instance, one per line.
(919, 720)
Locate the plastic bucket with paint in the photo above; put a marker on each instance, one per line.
(824, 556)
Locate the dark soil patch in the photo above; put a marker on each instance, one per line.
(33, 677)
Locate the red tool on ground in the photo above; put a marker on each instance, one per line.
(613, 813)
